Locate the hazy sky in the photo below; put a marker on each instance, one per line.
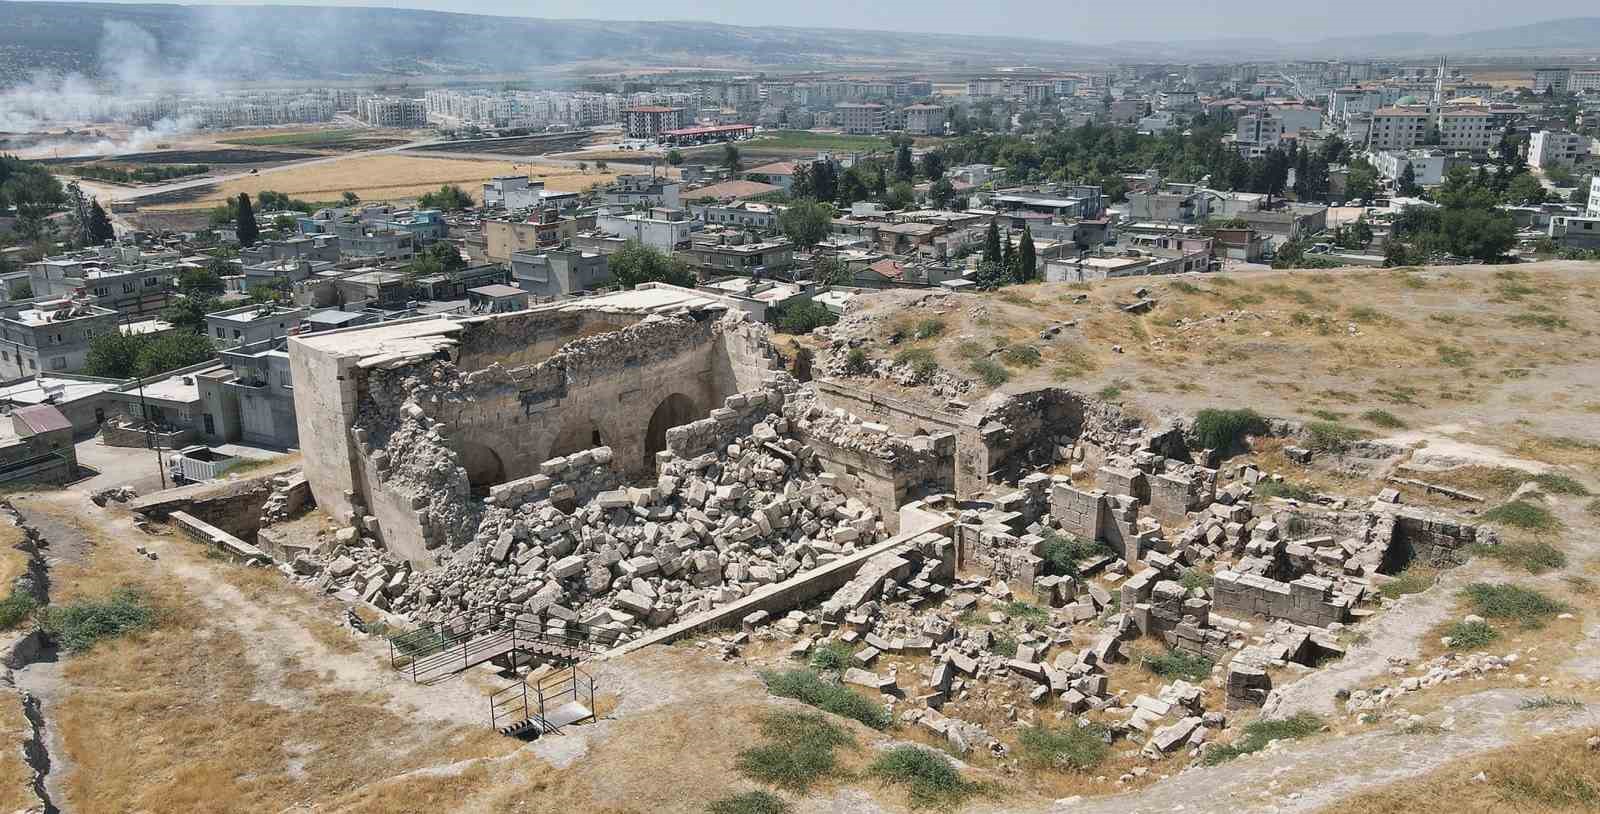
(1080, 20)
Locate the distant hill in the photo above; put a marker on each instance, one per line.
(231, 43)
(241, 42)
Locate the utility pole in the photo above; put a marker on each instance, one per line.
(150, 438)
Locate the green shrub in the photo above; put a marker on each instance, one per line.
(1005, 644)
(1328, 436)
(1021, 356)
(1225, 430)
(1384, 419)
(1551, 702)
(1184, 286)
(803, 317)
(1273, 488)
(1455, 357)
(1258, 734)
(834, 655)
(799, 750)
(1026, 612)
(922, 362)
(1195, 578)
(929, 777)
(807, 687)
(1525, 606)
(928, 329)
(16, 608)
(1471, 635)
(1593, 508)
(969, 349)
(1367, 314)
(1410, 581)
(991, 372)
(76, 627)
(1523, 515)
(1178, 664)
(751, 802)
(1535, 557)
(1071, 747)
(1558, 484)
(1062, 553)
(856, 361)
(1548, 322)
(1112, 391)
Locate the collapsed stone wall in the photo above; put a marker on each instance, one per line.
(575, 550)
(431, 434)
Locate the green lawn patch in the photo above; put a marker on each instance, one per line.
(1070, 747)
(1523, 515)
(1178, 664)
(799, 750)
(1508, 602)
(1472, 635)
(1533, 556)
(751, 802)
(78, 626)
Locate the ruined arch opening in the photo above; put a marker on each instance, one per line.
(483, 465)
(673, 411)
(577, 435)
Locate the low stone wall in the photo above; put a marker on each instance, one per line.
(1308, 600)
(220, 541)
(118, 434)
(233, 506)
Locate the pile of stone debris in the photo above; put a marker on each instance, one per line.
(577, 550)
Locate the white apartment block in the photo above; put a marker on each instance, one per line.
(1258, 134)
(925, 120)
(1427, 166)
(1593, 210)
(392, 111)
(1403, 128)
(1581, 81)
(1550, 148)
(1551, 79)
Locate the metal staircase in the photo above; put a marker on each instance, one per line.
(556, 700)
(429, 655)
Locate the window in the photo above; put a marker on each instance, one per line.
(236, 333)
(127, 288)
(220, 334)
(88, 333)
(211, 427)
(101, 291)
(58, 363)
(32, 366)
(152, 282)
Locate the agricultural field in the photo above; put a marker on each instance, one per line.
(389, 177)
(344, 140)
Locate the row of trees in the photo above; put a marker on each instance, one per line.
(1001, 265)
(33, 191)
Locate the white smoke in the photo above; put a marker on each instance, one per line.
(134, 89)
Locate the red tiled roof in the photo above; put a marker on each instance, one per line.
(890, 268)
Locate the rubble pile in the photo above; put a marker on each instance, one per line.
(1441, 670)
(835, 363)
(576, 549)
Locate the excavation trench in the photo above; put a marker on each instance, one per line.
(33, 660)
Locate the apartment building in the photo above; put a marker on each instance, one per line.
(392, 111)
(1551, 80)
(1257, 134)
(642, 190)
(1397, 128)
(650, 121)
(250, 324)
(725, 254)
(924, 120)
(133, 289)
(860, 118)
(503, 236)
(1593, 210)
(52, 335)
(659, 228)
(1427, 165)
(559, 273)
(1552, 148)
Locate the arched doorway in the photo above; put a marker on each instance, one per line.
(673, 411)
(577, 435)
(483, 466)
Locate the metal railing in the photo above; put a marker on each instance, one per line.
(522, 702)
(430, 652)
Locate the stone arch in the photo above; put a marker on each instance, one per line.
(577, 434)
(673, 411)
(483, 465)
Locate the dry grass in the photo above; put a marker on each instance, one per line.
(15, 774)
(391, 177)
(1549, 774)
(181, 703)
(13, 563)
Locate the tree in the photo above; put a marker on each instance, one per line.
(824, 181)
(1361, 182)
(730, 158)
(900, 196)
(802, 317)
(637, 263)
(800, 185)
(349, 198)
(450, 198)
(674, 157)
(284, 223)
(1559, 175)
(100, 229)
(806, 222)
(941, 193)
(600, 165)
(1027, 260)
(904, 170)
(247, 230)
(1525, 189)
(113, 356)
(204, 282)
(1406, 184)
(830, 271)
(119, 356)
(188, 313)
(933, 165)
(991, 243)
